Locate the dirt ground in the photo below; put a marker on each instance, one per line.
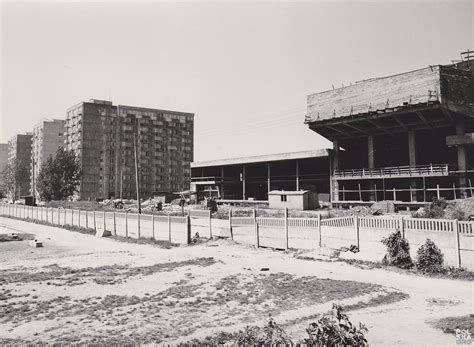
(83, 289)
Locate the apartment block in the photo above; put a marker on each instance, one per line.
(3, 156)
(48, 136)
(103, 136)
(19, 149)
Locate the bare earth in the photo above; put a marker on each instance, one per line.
(83, 289)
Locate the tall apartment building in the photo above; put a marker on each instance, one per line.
(48, 135)
(19, 149)
(102, 134)
(3, 156)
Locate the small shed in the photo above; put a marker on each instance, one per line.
(29, 200)
(295, 200)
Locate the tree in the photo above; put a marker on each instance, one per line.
(15, 179)
(59, 176)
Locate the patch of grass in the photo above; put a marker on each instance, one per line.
(448, 272)
(19, 237)
(449, 324)
(110, 274)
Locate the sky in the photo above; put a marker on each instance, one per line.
(244, 68)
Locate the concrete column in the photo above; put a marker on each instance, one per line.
(297, 175)
(221, 190)
(371, 161)
(268, 178)
(412, 159)
(462, 164)
(243, 182)
(335, 166)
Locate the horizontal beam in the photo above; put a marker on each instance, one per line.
(458, 140)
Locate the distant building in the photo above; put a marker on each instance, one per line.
(3, 156)
(407, 137)
(102, 134)
(252, 178)
(48, 136)
(19, 150)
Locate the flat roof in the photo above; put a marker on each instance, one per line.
(318, 153)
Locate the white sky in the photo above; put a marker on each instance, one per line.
(244, 68)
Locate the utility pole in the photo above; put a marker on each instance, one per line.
(137, 179)
(33, 181)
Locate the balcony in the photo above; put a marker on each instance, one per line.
(431, 170)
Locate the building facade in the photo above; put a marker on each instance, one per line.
(19, 151)
(407, 138)
(48, 136)
(103, 136)
(3, 156)
(253, 178)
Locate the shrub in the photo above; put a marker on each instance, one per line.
(398, 251)
(429, 257)
(211, 204)
(336, 330)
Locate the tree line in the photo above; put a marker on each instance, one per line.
(58, 178)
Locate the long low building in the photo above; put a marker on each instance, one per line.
(252, 178)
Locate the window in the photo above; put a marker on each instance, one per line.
(283, 198)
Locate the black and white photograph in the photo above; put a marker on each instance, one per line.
(236, 173)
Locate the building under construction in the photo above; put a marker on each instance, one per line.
(109, 139)
(407, 137)
(252, 178)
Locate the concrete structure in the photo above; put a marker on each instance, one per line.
(294, 200)
(48, 136)
(407, 137)
(252, 178)
(3, 156)
(19, 150)
(103, 136)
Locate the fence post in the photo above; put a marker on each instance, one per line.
(87, 220)
(59, 216)
(210, 224)
(169, 227)
(319, 230)
(79, 218)
(458, 244)
(72, 218)
(402, 226)
(153, 225)
(286, 228)
(356, 225)
(105, 224)
(188, 228)
(256, 228)
(95, 229)
(65, 214)
(126, 223)
(230, 224)
(138, 223)
(115, 225)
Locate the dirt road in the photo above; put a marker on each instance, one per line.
(79, 288)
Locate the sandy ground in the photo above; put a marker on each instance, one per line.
(79, 288)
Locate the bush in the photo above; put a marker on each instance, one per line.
(398, 251)
(429, 257)
(333, 330)
(336, 330)
(436, 209)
